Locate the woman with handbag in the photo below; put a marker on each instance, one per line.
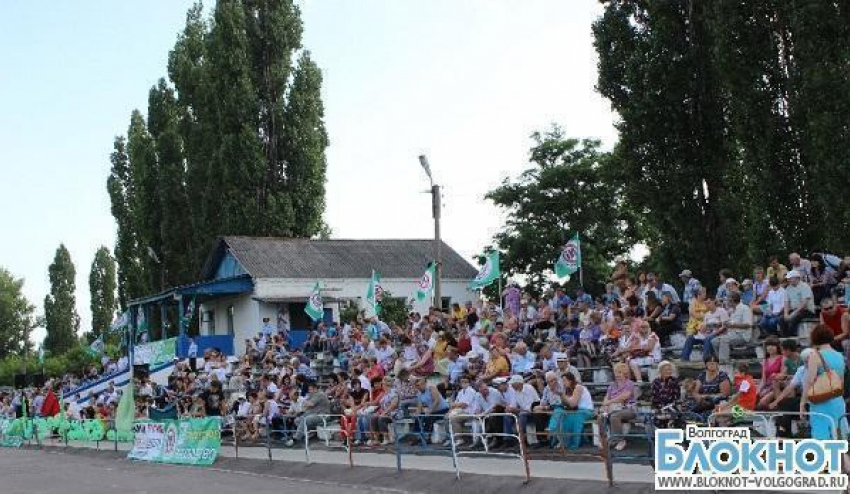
(824, 387)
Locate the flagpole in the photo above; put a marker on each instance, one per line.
(501, 309)
(580, 264)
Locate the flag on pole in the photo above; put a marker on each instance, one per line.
(489, 273)
(374, 292)
(125, 414)
(570, 259)
(426, 283)
(141, 321)
(186, 319)
(120, 322)
(41, 354)
(315, 307)
(96, 347)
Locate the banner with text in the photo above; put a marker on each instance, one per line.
(155, 352)
(187, 441)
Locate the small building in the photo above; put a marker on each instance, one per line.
(247, 279)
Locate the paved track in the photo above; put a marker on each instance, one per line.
(29, 471)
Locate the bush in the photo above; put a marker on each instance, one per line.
(74, 361)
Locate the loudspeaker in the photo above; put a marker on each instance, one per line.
(36, 380)
(20, 381)
(141, 370)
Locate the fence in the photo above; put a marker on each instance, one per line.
(425, 434)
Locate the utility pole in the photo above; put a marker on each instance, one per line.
(436, 207)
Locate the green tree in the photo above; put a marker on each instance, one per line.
(102, 287)
(60, 313)
(233, 145)
(17, 318)
(572, 187)
(121, 188)
(655, 66)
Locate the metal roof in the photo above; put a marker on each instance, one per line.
(274, 257)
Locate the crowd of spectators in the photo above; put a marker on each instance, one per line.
(554, 361)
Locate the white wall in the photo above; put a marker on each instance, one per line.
(246, 318)
(276, 288)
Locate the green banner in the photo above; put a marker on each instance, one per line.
(155, 352)
(186, 441)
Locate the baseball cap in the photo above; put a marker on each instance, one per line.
(686, 272)
(516, 379)
(731, 280)
(792, 274)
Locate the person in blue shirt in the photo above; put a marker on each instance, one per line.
(747, 292)
(582, 296)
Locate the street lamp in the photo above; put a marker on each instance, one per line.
(438, 244)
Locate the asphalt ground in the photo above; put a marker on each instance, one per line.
(86, 471)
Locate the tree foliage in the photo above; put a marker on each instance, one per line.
(234, 144)
(17, 315)
(60, 313)
(572, 187)
(102, 287)
(732, 136)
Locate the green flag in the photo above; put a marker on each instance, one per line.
(489, 273)
(125, 414)
(314, 307)
(41, 354)
(426, 283)
(187, 316)
(570, 259)
(374, 292)
(141, 322)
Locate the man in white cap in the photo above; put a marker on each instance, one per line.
(737, 330)
(521, 399)
(799, 304)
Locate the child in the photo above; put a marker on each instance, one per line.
(744, 399)
(590, 335)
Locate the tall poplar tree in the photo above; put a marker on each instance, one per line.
(102, 289)
(60, 313)
(234, 143)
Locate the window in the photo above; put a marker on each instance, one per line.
(230, 312)
(209, 320)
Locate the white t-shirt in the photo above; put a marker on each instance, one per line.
(473, 400)
(364, 382)
(742, 315)
(776, 301)
(522, 399)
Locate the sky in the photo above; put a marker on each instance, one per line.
(465, 82)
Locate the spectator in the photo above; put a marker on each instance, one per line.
(737, 330)
(802, 266)
(828, 414)
(696, 312)
(619, 403)
(670, 320)
(776, 269)
(316, 405)
(771, 366)
(799, 304)
(822, 280)
(761, 286)
(712, 386)
(724, 275)
(774, 308)
(431, 407)
(467, 402)
(788, 400)
(665, 387)
(837, 319)
(645, 350)
(576, 409)
(691, 289)
(521, 399)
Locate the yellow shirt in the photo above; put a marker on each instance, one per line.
(697, 315)
(779, 272)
